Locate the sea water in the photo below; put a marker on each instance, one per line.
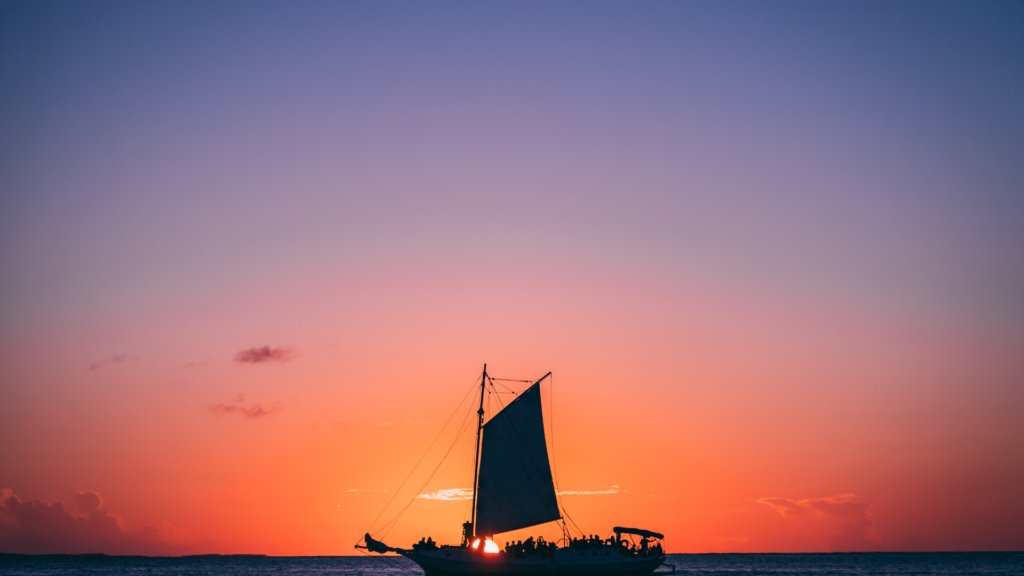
(881, 564)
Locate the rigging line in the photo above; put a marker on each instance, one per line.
(498, 398)
(511, 380)
(532, 461)
(495, 390)
(537, 469)
(468, 510)
(462, 430)
(554, 461)
(427, 451)
(394, 521)
(575, 525)
(500, 489)
(520, 458)
(429, 478)
(503, 385)
(508, 424)
(393, 496)
(498, 486)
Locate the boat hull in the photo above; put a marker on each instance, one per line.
(461, 562)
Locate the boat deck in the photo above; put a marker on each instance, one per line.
(604, 561)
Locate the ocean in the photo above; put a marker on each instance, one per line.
(880, 564)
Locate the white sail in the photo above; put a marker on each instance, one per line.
(515, 488)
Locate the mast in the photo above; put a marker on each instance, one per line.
(479, 431)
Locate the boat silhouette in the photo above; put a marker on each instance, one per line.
(513, 489)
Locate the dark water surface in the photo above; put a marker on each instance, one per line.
(882, 564)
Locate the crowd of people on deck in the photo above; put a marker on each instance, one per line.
(544, 548)
(594, 542)
(531, 546)
(425, 544)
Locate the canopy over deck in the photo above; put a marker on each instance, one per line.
(638, 532)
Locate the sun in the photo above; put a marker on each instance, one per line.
(489, 546)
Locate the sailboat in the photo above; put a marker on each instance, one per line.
(513, 489)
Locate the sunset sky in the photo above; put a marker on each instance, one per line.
(252, 255)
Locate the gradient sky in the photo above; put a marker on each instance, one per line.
(773, 254)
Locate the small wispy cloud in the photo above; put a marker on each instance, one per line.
(265, 354)
(448, 494)
(613, 490)
(843, 505)
(117, 359)
(416, 423)
(467, 494)
(252, 412)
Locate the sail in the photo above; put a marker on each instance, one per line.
(515, 488)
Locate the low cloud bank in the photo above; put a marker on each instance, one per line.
(37, 527)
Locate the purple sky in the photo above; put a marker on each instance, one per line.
(868, 149)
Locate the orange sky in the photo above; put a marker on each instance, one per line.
(719, 419)
(772, 254)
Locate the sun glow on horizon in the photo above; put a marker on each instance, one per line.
(489, 546)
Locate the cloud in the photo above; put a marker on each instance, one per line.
(37, 527)
(613, 490)
(252, 411)
(448, 494)
(93, 366)
(264, 355)
(842, 506)
(851, 520)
